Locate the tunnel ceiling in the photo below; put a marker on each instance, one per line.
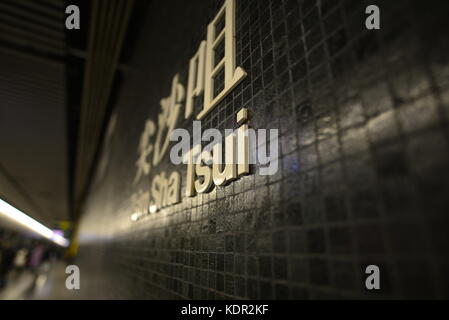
(33, 131)
(56, 93)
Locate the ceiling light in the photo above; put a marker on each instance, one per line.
(21, 218)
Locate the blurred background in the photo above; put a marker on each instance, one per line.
(364, 158)
(56, 95)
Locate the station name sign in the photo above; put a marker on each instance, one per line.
(205, 167)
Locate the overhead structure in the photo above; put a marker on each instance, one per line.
(108, 24)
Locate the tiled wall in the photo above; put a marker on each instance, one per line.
(364, 159)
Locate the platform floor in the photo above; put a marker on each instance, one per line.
(48, 285)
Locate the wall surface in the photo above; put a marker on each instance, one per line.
(364, 160)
